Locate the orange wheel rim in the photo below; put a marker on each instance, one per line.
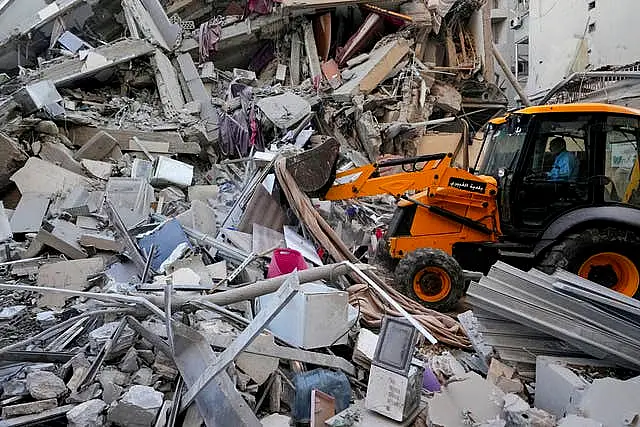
(612, 270)
(432, 284)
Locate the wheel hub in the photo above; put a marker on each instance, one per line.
(612, 270)
(432, 284)
(604, 275)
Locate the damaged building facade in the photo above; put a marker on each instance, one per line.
(165, 259)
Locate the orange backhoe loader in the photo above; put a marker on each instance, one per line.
(555, 186)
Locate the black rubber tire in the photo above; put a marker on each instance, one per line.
(570, 253)
(416, 261)
(383, 256)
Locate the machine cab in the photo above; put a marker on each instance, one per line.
(550, 160)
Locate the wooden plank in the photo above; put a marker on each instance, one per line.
(323, 407)
(80, 135)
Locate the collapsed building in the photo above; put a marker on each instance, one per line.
(153, 214)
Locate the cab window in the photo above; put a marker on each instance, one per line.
(503, 145)
(560, 151)
(621, 161)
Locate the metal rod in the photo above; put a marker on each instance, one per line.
(62, 325)
(127, 299)
(262, 287)
(507, 72)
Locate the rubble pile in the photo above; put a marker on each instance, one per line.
(162, 262)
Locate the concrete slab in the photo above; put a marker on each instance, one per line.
(97, 169)
(558, 388)
(168, 84)
(471, 396)
(200, 217)
(131, 198)
(612, 402)
(368, 75)
(39, 176)
(60, 155)
(97, 147)
(66, 275)
(576, 421)
(63, 236)
(28, 408)
(29, 213)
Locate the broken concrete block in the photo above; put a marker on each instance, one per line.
(517, 413)
(97, 148)
(558, 388)
(101, 241)
(470, 395)
(137, 408)
(29, 213)
(168, 84)
(28, 408)
(369, 135)
(144, 376)
(12, 158)
(368, 75)
(203, 192)
(76, 202)
(60, 155)
(97, 169)
(285, 110)
(612, 402)
(275, 420)
(200, 217)
(258, 367)
(45, 385)
(503, 376)
(39, 95)
(129, 362)
(66, 275)
(131, 198)
(39, 176)
(62, 236)
(165, 366)
(12, 312)
(111, 392)
(13, 388)
(448, 98)
(87, 414)
(80, 366)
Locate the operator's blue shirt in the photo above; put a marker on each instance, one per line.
(565, 167)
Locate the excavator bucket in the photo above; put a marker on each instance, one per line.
(315, 169)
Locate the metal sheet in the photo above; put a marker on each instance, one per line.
(219, 403)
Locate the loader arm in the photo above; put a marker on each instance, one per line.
(364, 181)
